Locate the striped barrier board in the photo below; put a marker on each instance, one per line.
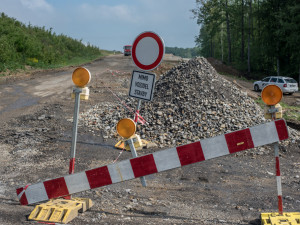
(154, 163)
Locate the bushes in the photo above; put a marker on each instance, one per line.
(22, 45)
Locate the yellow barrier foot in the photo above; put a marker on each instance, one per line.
(289, 218)
(138, 143)
(60, 210)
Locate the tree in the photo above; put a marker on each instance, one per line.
(272, 29)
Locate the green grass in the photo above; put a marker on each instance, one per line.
(76, 61)
(26, 46)
(290, 112)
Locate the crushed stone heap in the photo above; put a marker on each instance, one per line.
(191, 102)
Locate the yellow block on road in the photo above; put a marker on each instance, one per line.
(289, 218)
(60, 210)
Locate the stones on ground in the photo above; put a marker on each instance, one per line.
(191, 102)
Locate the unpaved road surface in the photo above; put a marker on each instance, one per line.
(35, 140)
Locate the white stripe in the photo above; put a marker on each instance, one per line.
(278, 180)
(214, 147)
(264, 134)
(166, 159)
(36, 193)
(120, 171)
(77, 182)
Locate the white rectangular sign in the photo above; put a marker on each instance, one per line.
(142, 85)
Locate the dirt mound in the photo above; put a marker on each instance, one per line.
(191, 102)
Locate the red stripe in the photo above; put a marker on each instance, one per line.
(143, 165)
(280, 207)
(72, 166)
(98, 177)
(136, 116)
(23, 199)
(56, 188)
(19, 190)
(239, 140)
(190, 153)
(281, 129)
(277, 167)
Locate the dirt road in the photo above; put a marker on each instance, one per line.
(35, 141)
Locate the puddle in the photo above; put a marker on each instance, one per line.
(19, 99)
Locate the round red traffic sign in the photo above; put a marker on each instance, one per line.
(148, 50)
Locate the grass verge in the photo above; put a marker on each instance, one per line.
(288, 112)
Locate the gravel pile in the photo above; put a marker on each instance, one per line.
(191, 102)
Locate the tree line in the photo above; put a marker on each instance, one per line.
(255, 36)
(22, 45)
(183, 52)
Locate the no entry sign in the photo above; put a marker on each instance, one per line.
(148, 50)
(142, 85)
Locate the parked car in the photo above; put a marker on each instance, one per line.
(287, 84)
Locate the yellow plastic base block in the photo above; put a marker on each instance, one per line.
(278, 114)
(84, 95)
(60, 210)
(288, 218)
(138, 143)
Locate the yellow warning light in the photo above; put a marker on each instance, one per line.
(126, 128)
(271, 94)
(81, 76)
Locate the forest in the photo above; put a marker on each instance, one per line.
(26, 45)
(183, 52)
(258, 37)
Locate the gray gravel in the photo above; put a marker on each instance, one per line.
(191, 102)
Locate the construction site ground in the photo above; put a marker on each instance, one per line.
(35, 140)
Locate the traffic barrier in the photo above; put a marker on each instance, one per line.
(171, 158)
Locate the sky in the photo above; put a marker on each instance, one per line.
(110, 24)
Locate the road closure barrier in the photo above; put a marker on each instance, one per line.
(171, 158)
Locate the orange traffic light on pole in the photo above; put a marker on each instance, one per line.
(126, 128)
(271, 94)
(81, 77)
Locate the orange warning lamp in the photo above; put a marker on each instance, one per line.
(271, 94)
(126, 128)
(81, 77)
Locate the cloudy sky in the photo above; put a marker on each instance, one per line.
(110, 24)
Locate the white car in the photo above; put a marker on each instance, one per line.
(287, 84)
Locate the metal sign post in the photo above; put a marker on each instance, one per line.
(80, 77)
(271, 95)
(137, 112)
(134, 155)
(77, 92)
(273, 111)
(147, 53)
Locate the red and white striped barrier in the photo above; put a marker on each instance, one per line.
(157, 162)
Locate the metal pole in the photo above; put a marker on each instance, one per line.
(134, 155)
(137, 111)
(278, 179)
(77, 92)
(277, 168)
